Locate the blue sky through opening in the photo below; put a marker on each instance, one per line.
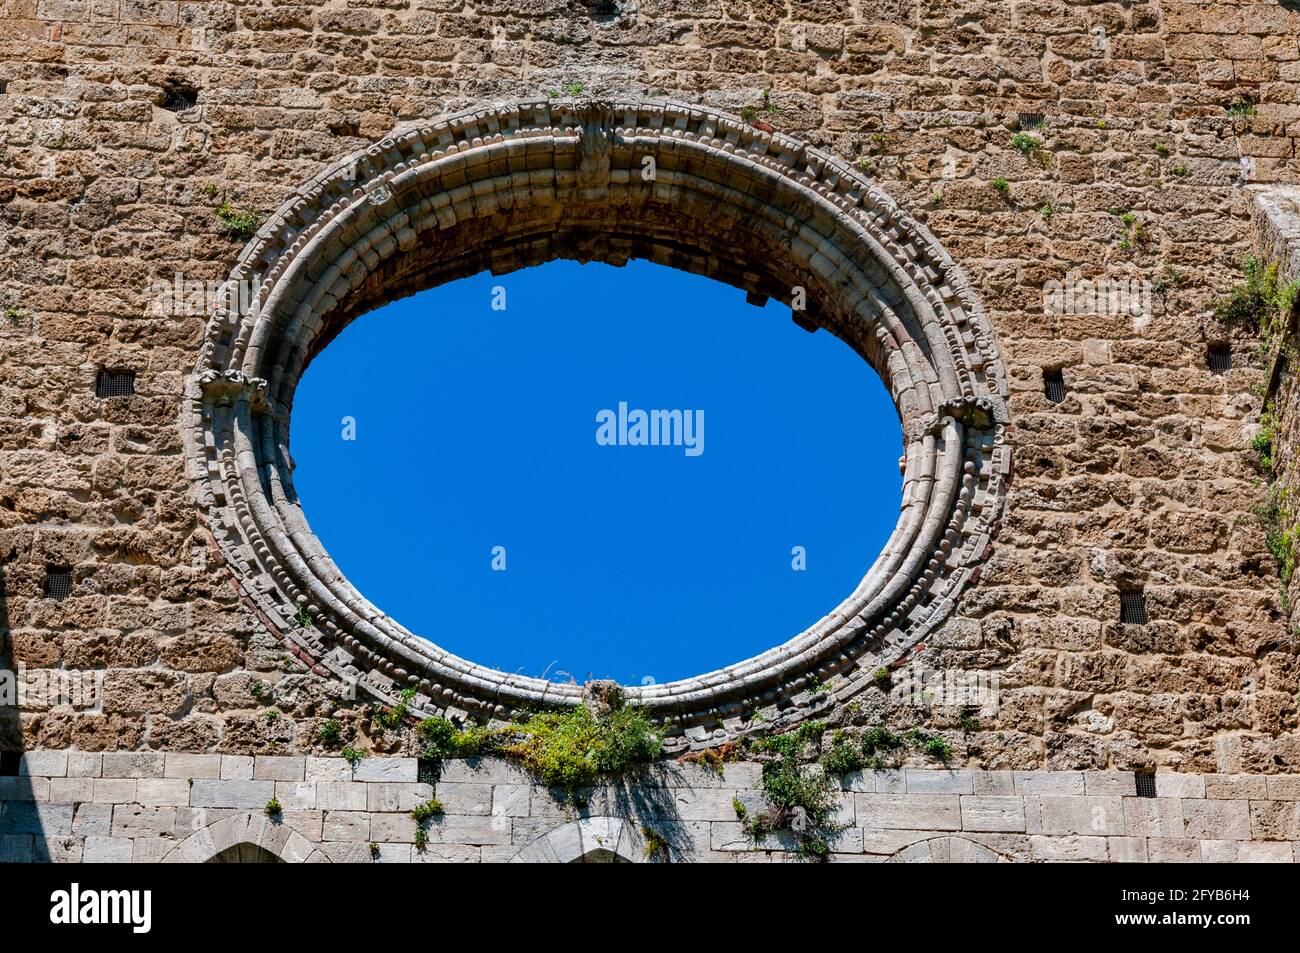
(476, 428)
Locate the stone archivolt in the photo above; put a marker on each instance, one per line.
(514, 185)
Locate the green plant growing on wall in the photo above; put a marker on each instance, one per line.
(352, 756)
(330, 731)
(567, 749)
(1162, 150)
(237, 223)
(573, 89)
(1134, 232)
(374, 850)
(257, 689)
(1025, 144)
(1001, 185)
(656, 845)
(394, 716)
(15, 315)
(1242, 108)
(273, 808)
(428, 810)
(1260, 303)
(882, 678)
(802, 798)
(271, 716)
(1047, 212)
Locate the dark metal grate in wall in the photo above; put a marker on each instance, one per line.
(58, 584)
(1133, 607)
(1146, 784)
(178, 97)
(115, 384)
(1029, 120)
(1054, 386)
(1219, 357)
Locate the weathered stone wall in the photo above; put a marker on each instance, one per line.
(148, 807)
(1140, 477)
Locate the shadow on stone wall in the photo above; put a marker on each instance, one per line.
(22, 835)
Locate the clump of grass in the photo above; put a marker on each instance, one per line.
(1242, 108)
(1162, 150)
(273, 808)
(352, 755)
(15, 315)
(565, 749)
(1025, 144)
(1259, 300)
(237, 223)
(428, 810)
(882, 678)
(330, 731)
(394, 716)
(1047, 212)
(1001, 185)
(656, 845)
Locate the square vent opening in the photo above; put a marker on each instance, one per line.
(1133, 607)
(115, 383)
(9, 761)
(1219, 358)
(1029, 120)
(58, 583)
(1146, 784)
(1054, 385)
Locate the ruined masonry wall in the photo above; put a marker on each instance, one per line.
(1142, 476)
(147, 807)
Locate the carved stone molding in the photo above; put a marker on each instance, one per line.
(511, 185)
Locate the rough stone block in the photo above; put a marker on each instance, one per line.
(1049, 782)
(107, 850)
(1234, 787)
(249, 794)
(70, 790)
(47, 764)
(188, 766)
(115, 790)
(1171, 784)
(938, 782)
(1173, 850)
(278, 768)
(136, 820)
(1097, 816)
(327, 769)
(936, 812)
(388, 796)
(459, 798)
(236, 767)
(163, 792)
(510, 800)
(1117, 783)
(1216, 820)
(387, 769)
(1265, 853)
(1068, 847)
(346, 826)
(992, 813)
(85, 764)
(133, 764)
(340, 796)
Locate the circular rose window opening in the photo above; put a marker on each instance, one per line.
(580, 471)
(509, 186)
